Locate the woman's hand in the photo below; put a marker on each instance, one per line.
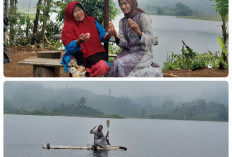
(83, 38)
(111, 31)
(134, 26)
(94, 127)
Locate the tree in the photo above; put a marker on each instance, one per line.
(12, 19)
(92, 8)
(6, 7)
(183, 10)
(47, 5)
(36, 22)
(13, 4)
(221, 7)
(82, 101)
(159, 11)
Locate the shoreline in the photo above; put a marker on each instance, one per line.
(192, 120)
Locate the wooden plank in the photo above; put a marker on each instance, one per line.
(169, 75)
(40, 71)
(112, 55)
(42, 62)
(49, 54)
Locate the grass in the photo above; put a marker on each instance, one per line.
(202, 17)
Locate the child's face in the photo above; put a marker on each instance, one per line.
(124, 6)
(78, 14)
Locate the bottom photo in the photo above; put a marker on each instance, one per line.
(113, 119)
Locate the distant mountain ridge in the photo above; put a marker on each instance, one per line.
(204, 6)
(66, 101)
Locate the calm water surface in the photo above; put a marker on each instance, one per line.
(201, 35)
(24, 136)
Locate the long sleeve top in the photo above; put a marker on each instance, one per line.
(97, 134)
(131, 40)
(73, 48)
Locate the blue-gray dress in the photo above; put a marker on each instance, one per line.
(136, 58)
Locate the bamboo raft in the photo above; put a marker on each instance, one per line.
(88, 147)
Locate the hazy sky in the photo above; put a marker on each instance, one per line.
(214, 91)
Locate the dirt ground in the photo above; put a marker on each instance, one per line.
(19, 53)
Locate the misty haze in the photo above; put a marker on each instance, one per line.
(157, 100)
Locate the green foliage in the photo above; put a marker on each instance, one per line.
(57, 44)
(92, 8)
(75, 109)
(113, 49)
(198, 64)
(222, 8)
(17, 35)
(223, 47)
(191, 60)
(52, 29)
(21, 24)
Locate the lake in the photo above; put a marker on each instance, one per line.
(200, 35)
(24, 136)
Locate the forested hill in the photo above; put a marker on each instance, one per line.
(37, 99)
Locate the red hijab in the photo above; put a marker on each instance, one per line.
(134, 8)
(72, 30)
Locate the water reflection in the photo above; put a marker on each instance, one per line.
(98, 153)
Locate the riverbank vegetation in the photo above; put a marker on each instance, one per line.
(76, 109)
(196, 110)
(189, 59)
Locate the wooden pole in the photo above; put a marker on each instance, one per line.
(106, 24)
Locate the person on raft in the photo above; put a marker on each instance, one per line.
(99, 138)
(82, 36)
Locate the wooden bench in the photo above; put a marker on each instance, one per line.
(47, 64)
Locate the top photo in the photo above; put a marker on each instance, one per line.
(116, 38)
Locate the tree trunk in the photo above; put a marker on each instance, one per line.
(224, 39)
(36, 22)
(6, 7)
(13, 8)
(13, 4)
(45, 17)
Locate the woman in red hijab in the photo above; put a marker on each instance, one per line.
(82, 36)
